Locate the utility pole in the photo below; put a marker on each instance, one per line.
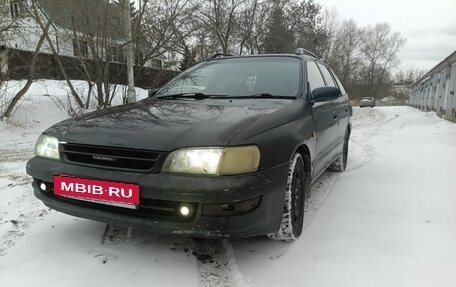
(131, 93)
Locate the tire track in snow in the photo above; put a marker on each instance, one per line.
(12, 163)
(367, 123)
(15, 154)
(360, 154)
(216, 261)
(217, 265)
(115, 234)
(20, 209)
(320, 190)
(14, 227)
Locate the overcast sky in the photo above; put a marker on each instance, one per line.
(428, 25)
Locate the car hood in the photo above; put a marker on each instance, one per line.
(165, 125)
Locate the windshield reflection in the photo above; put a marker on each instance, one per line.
(279, 76)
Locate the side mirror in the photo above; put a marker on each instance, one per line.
(325, 94)
(152, 92)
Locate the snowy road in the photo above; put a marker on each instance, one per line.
(389, 220)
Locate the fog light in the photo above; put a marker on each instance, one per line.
(185, 210)
(230, 208)
(43, 186)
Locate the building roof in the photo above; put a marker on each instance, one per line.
(97, 17)
(448, 61)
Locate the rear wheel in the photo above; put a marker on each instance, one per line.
(295, 197)
(341, 161)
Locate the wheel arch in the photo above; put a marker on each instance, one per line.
(304, 151)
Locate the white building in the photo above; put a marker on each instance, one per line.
(435, 90)
(72, 22)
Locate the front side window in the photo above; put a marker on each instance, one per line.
(278, 76)
(339, 83)
(314, 76)
(327, 76)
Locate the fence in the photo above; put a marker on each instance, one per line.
(18, 62)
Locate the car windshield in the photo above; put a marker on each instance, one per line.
(239, 77)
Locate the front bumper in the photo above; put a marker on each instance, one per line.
(268, 186)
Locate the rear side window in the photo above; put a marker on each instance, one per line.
(314, 76)
(339, 83)
(327, 76)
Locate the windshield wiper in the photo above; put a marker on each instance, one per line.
(196, 96)
(256, 96)
(201, 96)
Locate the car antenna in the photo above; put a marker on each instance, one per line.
(219, 55)
(302, 51)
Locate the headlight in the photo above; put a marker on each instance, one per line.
(213, 161)
(47, 146)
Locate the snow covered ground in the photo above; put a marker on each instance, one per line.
(46, 103)
(389, 220)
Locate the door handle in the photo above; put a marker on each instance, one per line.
(335, 115)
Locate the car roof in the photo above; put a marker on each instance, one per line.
(305, 57)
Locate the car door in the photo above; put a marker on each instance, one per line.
(344, 109)
(340, 107)
(325, 119)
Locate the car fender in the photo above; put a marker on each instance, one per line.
(280, 134)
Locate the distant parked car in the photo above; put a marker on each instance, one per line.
(367, 102)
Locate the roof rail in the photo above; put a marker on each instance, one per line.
(219, 55)
(302, 51)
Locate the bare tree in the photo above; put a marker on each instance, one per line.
(30, 77)
(37, 16)
(347, 56)
(8, 27)
(331, 26)
(305, 22)
(98, 40)
(259, 28)
(87, 69)
(380, 47)
(247, 24)
(183, 47)
(220, 17)
(162, 27)
(186, 31)
(408, 75)
(363, 58)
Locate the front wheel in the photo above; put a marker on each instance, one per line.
(295, 197)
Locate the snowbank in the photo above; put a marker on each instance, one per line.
(46, 103)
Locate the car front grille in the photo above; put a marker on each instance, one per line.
(112, 157)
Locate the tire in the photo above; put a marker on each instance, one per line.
(298, 186)
(340, 163)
